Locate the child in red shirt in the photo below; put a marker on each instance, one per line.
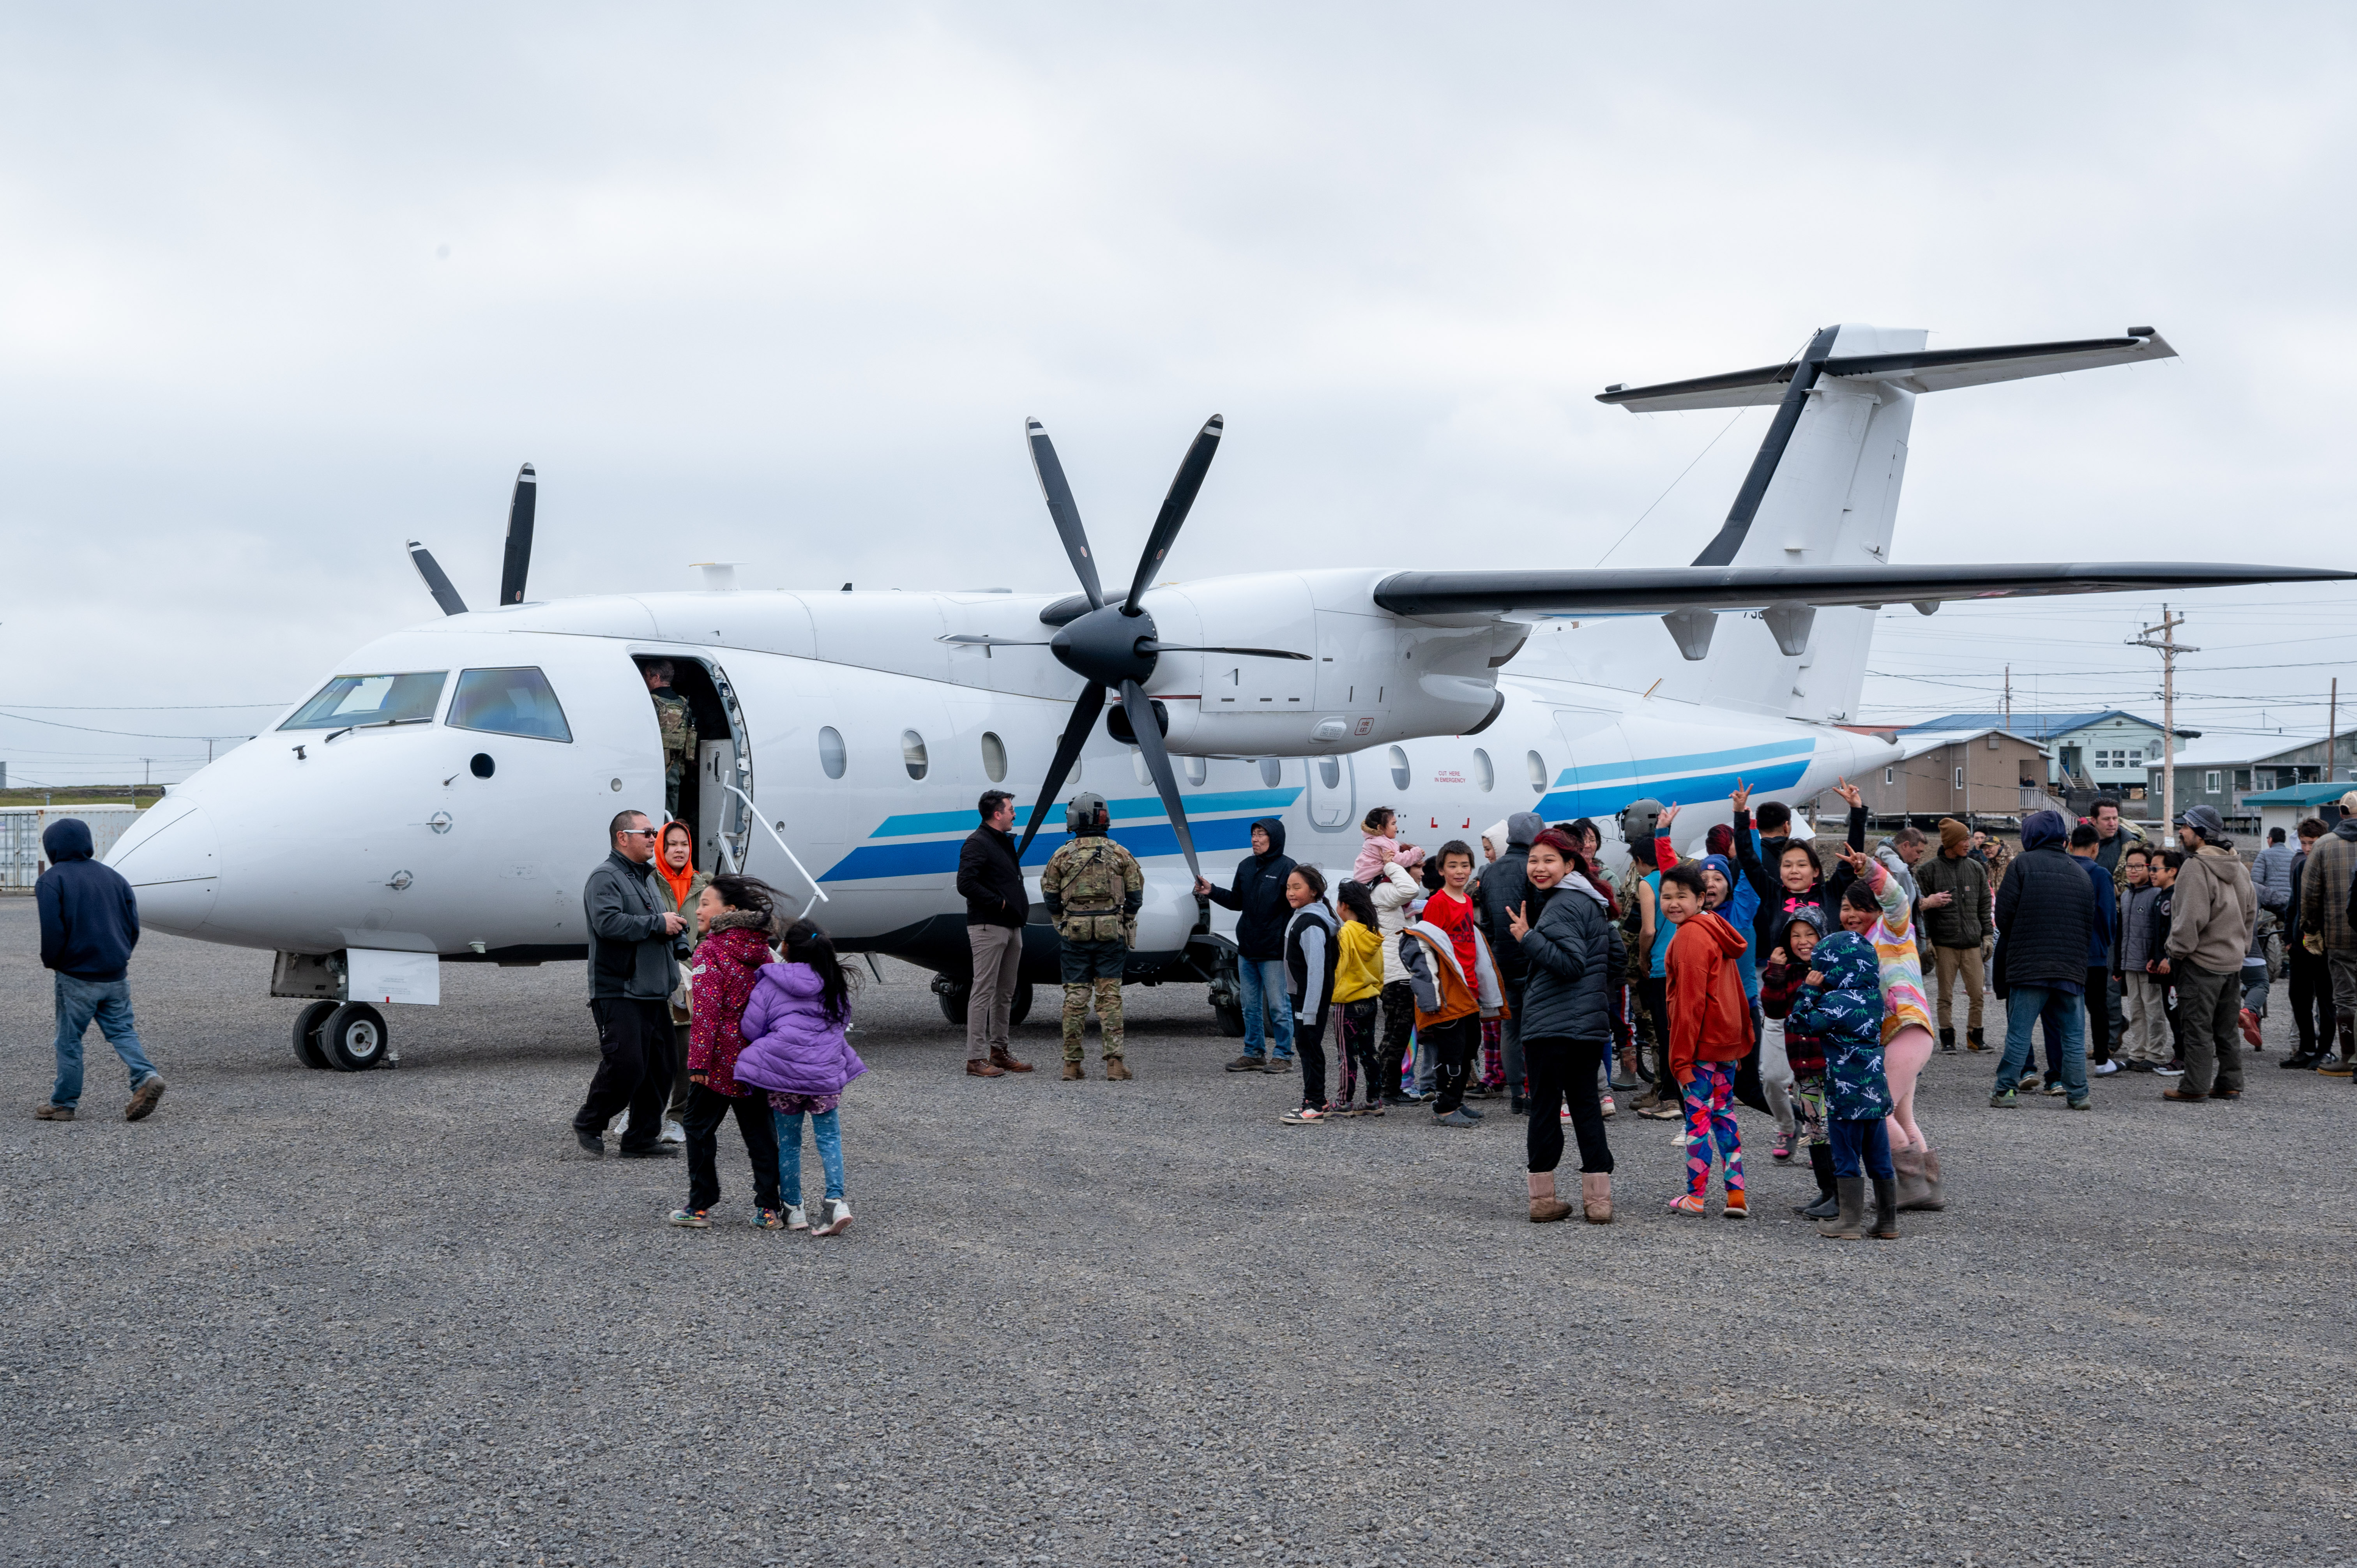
(1710, 1032)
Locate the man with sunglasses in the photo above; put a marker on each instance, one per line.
(632, 973)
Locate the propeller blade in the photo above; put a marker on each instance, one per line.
(1060, 507)
(984, 640)
(1085, 709)
(1175, 507)
(437, 583)
(1157, 762)
(1148, 645)
(518, 560)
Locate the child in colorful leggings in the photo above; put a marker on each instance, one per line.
(1842, 1005)
(1710, 1032)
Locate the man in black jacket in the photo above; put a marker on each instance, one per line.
(1504, 884)
(631, 975)
(990, 880)
(1258, 898)
(2045, 921)
(89, 923)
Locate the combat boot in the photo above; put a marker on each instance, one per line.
(1116, 1070)
(1074, 1073)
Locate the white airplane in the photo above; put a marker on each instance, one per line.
(442, 794)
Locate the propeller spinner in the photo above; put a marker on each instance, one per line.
(515, 561)
(1113, 645)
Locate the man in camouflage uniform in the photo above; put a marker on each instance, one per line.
(677, 721)
(1093, 890)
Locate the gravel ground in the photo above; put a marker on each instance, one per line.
(394, 1317)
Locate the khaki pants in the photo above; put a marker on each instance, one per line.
(2148, 1037)
(997, 956)
(1947, 962)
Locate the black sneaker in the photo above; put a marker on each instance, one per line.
(591, 1145)
(652, 1151)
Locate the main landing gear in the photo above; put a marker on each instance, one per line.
(349, 1036)
(954, 992)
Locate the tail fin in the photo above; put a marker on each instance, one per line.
(1824, 491)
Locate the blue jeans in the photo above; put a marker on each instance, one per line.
(108, 1002)
(2068, 1015)
(1861, 1148)
(828, 1128)
(1263, 984)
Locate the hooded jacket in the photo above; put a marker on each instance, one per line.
(1311, 949)
(1781, 992)
(2046, 913)
(727, 966)
(2326, 884)
(1397, 897)
(2137, 949)
(1844, 1011)
(89, 917)
(790, 1048)
(1506, 882)
(630, 954)
(1257, 895)
(2101, 938)
(1710, 1020)
(2271, 877)
(1963, 921)
(1572, 962)
(1895, 864)
(2213, 910)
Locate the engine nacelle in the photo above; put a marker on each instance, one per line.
(1371, 677)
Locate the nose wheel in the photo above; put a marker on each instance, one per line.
(349, 1036)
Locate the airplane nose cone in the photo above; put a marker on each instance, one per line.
(172, 860)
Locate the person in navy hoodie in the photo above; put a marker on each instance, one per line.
(794, 1047)
(89, 923)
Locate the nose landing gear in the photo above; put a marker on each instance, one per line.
(349, 1036)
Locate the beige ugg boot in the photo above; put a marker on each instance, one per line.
(1545, 1207)
(1596, 1196)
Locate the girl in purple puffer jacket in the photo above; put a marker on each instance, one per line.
(794, 1047)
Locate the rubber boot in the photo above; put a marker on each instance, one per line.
(1913, 1190)
(1936, 1199)
(1545, 1207)
(1947, 1039)
(1846, 1226)
(1820, 1162)
(1596, 1196)
(1886, 1208)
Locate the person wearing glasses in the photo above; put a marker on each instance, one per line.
(632, 973)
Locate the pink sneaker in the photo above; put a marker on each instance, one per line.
(1688, 1204)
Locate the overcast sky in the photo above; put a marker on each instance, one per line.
(281, 287)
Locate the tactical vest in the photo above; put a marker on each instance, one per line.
(677, 721)
(1093, 885)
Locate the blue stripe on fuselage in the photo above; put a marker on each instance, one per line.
(1655, 766)
(934, 857)
(1603, 791)
(915, 824)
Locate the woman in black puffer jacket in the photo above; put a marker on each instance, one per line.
(1566, 931)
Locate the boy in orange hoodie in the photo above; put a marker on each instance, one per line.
(1710, 1031)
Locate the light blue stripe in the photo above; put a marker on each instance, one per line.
(937, 857)
(914, 823)
(1654, 766)
(1604, 799)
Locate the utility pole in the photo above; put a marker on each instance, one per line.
(2332, 736)
(2009, 699)
(2169, 647)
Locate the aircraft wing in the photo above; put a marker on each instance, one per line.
(1667, 590)
(1919, 371)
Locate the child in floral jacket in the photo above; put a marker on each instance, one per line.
(1841, 1005)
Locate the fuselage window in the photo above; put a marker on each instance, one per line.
(1399, 769)
(1537, 764)
(1330, 772)
(1484, 776)
(370, 699)
(994, 757)
(830, 751)
(1272, 771)
(509, 702)
(913, 753)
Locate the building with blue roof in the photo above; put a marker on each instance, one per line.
(2105, 749)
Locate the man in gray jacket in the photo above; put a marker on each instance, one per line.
(2211, 912)
(631, 973)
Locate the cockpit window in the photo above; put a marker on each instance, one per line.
(370, 699)
(508, 701)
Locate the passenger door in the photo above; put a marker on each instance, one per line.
(1333, 793)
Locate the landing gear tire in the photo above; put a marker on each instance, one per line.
(308, 1049)
(354, 1038)
(955, 994)
(1231, 1021)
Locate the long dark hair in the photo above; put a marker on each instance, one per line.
(749, 894)
(805, 943)
(1357, 899)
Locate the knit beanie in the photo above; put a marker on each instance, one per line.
(1953, 834)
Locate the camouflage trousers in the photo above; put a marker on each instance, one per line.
(673, 773)
(1076, 1016)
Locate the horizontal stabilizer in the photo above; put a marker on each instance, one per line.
(1918, 371)
(1667, 590)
